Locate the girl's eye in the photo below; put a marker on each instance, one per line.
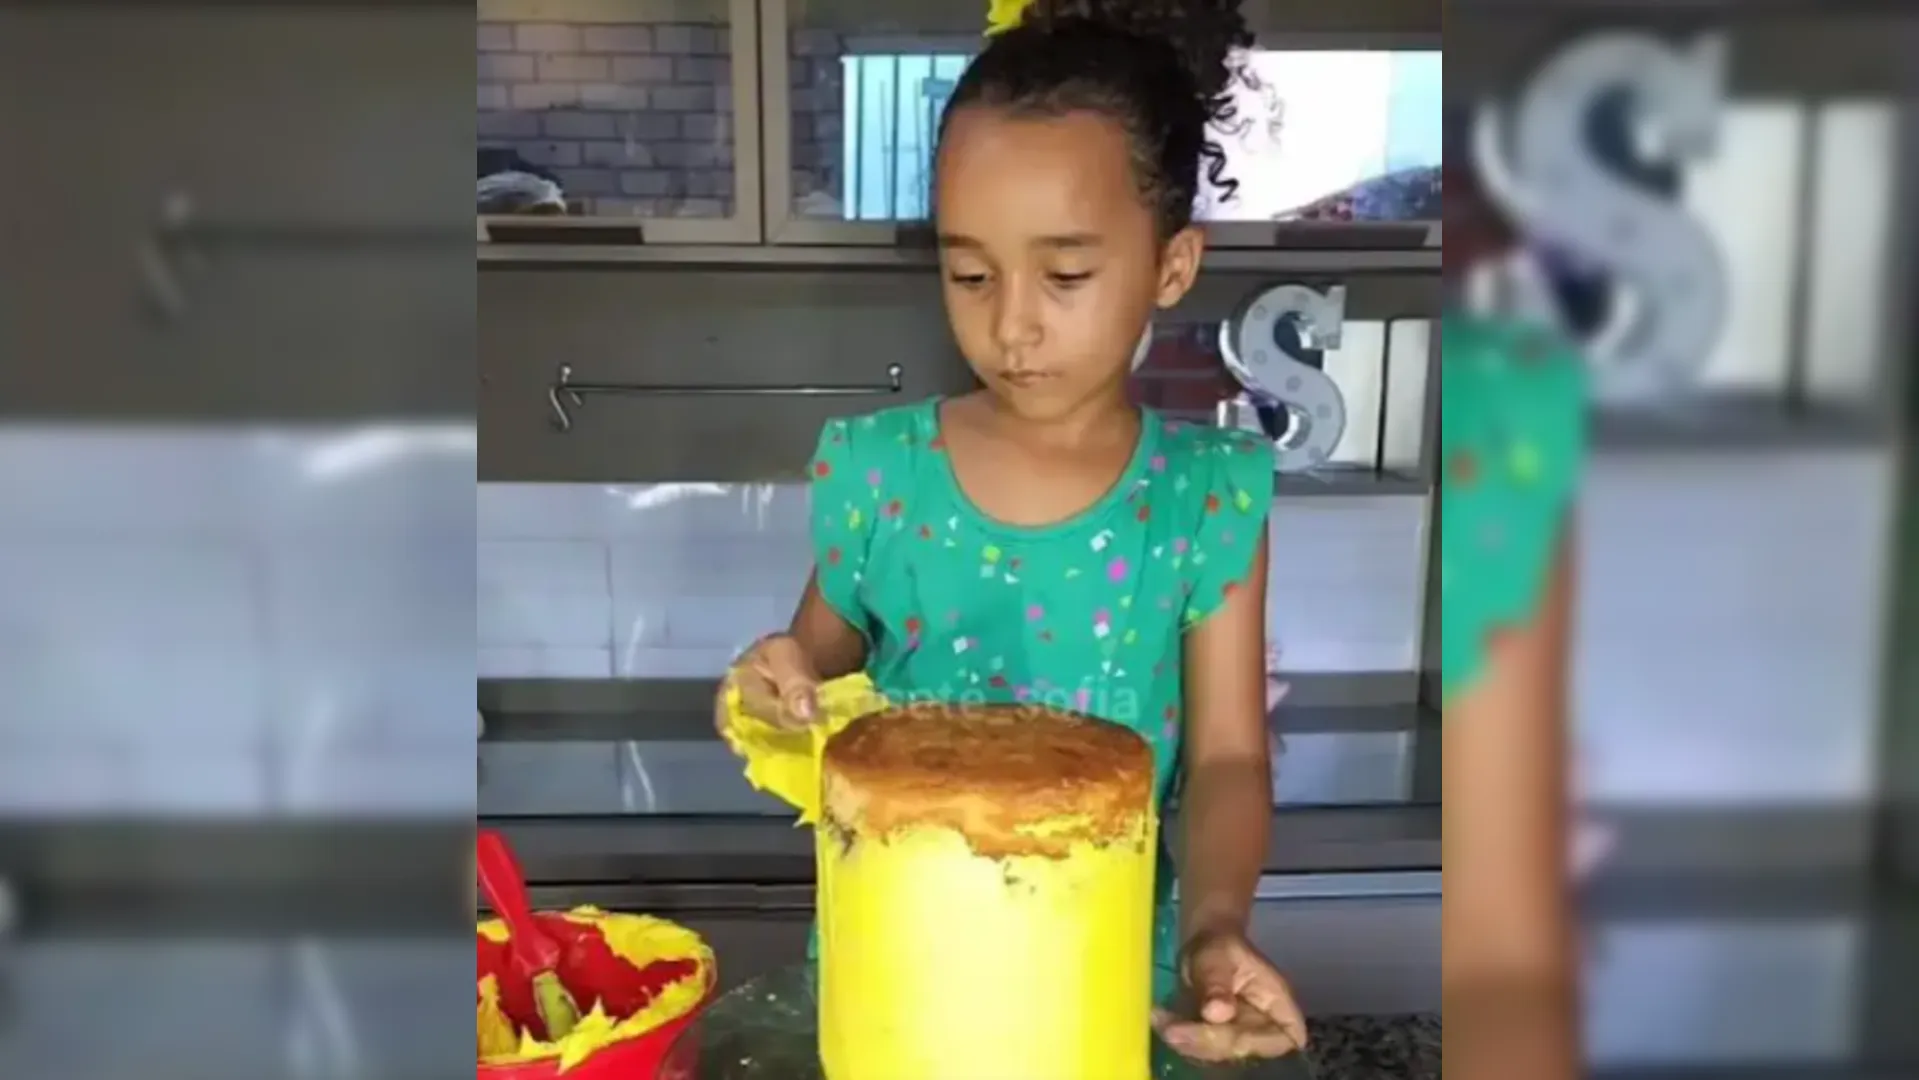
(1069, 281)
(967, 281)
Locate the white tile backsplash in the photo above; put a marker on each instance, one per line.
(1724, 993)
(687, 574)
(351, 781)
(1730, 627)
(200, 780)
(1729, 620)
(544, 592)
(212, 623)
(121, 690)
(73, 777)
(551, 662)
(83, 587)
(57, 482)
(381, 590)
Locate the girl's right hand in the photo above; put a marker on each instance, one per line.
(776, 682)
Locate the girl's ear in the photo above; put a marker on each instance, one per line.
(1179, 264)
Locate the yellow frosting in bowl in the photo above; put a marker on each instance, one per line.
(637, 939)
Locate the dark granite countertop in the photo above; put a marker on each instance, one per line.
(766, 1029)
(1375, 1047)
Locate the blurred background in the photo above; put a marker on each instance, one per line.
(236, 540)
(241, 577)
(1746, 646)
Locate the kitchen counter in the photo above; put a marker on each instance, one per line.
(1376, 1047)
(1371, 966)
(767, 1029)
(763, 1028)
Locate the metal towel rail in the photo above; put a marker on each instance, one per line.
(565, 391)
(183, 241)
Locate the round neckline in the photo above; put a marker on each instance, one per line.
(1095, 512)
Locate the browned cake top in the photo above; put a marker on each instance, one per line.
(1010, 779)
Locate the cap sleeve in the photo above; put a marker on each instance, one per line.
(1511, 452)
(845, 491)
(1233, 471)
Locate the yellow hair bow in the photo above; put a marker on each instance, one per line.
(1003, 15)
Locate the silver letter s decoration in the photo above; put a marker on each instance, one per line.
(1567, 198)
(1259, 355)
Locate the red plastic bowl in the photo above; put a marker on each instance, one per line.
(593, 972)
(634, 1059)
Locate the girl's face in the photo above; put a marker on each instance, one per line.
(1050, 258)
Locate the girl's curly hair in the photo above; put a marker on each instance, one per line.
(1163, 69)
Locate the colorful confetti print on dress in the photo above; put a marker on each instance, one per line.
(1513, 434)
(1086, 614)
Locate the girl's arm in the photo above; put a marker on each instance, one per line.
(777, 677)
(834, 645)
(1509, 970)
(826, 624)
(1227, 803)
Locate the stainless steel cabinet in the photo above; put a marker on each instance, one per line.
(636, 119)
(221, 212)
(681, 374)
(699, 373)
(812, 122)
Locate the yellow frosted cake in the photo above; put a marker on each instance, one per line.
(986, 894)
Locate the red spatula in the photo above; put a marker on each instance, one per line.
(534, 953)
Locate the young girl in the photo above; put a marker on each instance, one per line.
(1043, 539)
(1511, 446)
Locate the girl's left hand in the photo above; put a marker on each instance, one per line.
(1245, 1007)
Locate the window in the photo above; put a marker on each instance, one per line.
(893, 105)
(1322, 134)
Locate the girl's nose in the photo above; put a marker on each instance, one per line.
(1016, 324)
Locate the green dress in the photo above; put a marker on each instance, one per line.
(1513, 434)
(1086, 614)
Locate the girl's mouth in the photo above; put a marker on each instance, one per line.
(1023, 378)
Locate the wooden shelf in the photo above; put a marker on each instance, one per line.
(1721, 422)
(1349, 480)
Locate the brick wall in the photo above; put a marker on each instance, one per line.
(817, 85)
(636, 119)
(1184, 377)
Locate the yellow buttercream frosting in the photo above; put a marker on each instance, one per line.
(986, 897)
(786, 762)
(985, 881)
(498, 1039)
(936, 963)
